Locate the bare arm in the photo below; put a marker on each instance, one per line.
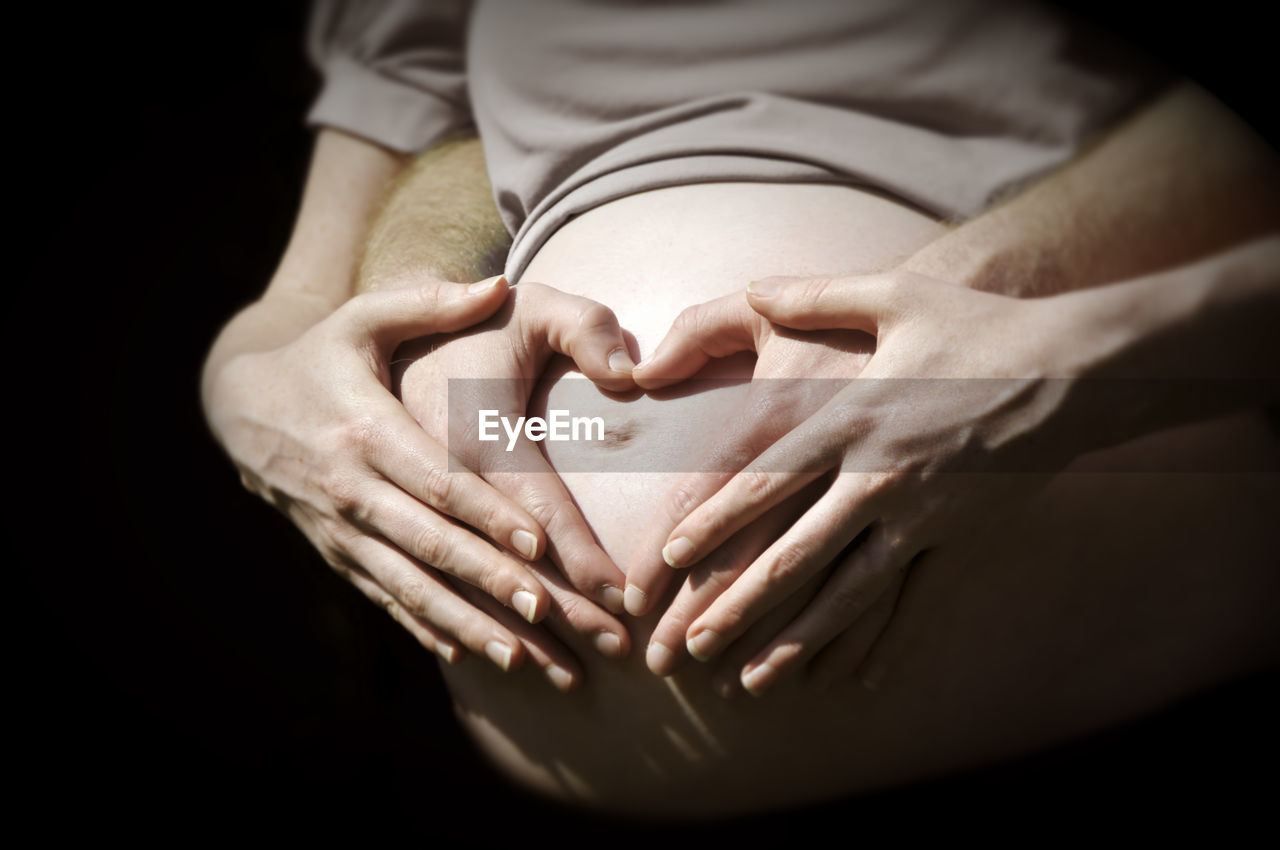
(916, 463)
(1182, 179)
(346, 180)
(296, 389)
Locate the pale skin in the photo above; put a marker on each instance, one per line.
(918, 461)
(983, 252)
(1105, 595)
(297, 387)
(470, 239)
(1133, 200)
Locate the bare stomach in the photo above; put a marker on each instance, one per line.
(1110, 595)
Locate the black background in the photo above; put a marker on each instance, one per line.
(179, 657)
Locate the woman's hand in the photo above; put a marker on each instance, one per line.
(495, 366)
(794, 375)
(316, 432)
(953, 416)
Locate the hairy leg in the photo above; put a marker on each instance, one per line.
(438, 219)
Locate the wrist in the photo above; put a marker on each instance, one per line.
(989, 256)
(1124, 380)
(948, 258)
(1059, 415)
(276, 319)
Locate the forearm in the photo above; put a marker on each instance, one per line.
(346, 180)
(1173, 347)
(1182, 179)
(438, 222)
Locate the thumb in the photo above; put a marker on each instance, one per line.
(700, 333)
(389, 317)
(861, 303)
(579, 328)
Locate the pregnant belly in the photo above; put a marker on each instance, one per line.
(628, 739)
(973, 684)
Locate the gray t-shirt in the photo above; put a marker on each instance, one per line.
(944, 105)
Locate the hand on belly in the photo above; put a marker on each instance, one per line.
(716, 237)
(628, 736)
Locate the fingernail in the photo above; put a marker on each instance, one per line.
(634, 600)
(645, 361)
(678, 552)
(659, 659)
(763, 288)
(449, 654)
(499, 653)
(758, 679)
(561, 678)
(620, 361)
(525, 543)
(608, 645)
(483, 286)
(703, 645)
(526, 603)
(612, 598)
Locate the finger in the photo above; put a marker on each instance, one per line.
(749, 494)
(648, 576)
(700, 333)
(572, 613)
(571, 546)
(851, 649)
(523, 475)
(389, 317)
(771, 409)
(726, 681)
(582, 329)
(552, 657)
(648, 573)
(871, 570)
(667, 650)
(406, 456)
(893, 644)
(855, 303)
(430, 637)
(451, 548)
(428, 597)
(811, 544)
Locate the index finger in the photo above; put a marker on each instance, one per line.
(700, 333)
(386, 318)
(570, 543)
(410, 459)
(804, 455)
(763, 417)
